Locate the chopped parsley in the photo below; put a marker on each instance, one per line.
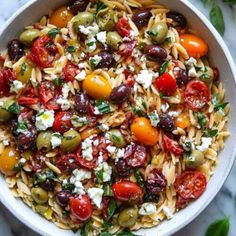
(137, 111)
(57, 82)
(14, 108)
(22, 126)
(100, 6)
(201, 119)
(90, 44)
(212, 133)
(164, 67)
(69, 187)
(217, 105)
(71, 49)
(53, 32)
(92, 63)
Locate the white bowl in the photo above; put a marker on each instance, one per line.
(219, 56)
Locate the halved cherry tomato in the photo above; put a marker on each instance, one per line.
(41, 53)
(143, 131)
(88, 132)
(196, 95)
(85, 163)
(127, 191)
(6, 76)
(28, 97)
(181, 202)
(127, 48)
(81, 207)
(70, 71)
(123, 27)
(166, 84)
(67, 163)
(171, 145)
(61, 17)
(190, 184)
(62, 122)
(135, 155)
(194, 45)
(183, 121)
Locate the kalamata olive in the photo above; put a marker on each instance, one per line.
(155, 53)
(156, 182)
(122, 168)
(166, 123)
(178, 19)
(26, 141)
(48, 185)
(141, 17)
(182, 78)
(82, 103)
(79, 5)
(120, 94)
(15, 49)
(63, 198)
(107, 60)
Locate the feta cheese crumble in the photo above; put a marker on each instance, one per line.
(64, 103)
(95, 194)
(120, 154)
(154, 118)
(103, 127)
(89, 30)
(44, 119)
(55, 140)
(95, 60)
(65, 90)
(107, 171)
(111, 149)
(192, 72)
(102, 37)
(168, 212)
(165, 107)
(145, 78)
(80, 175)
(6, 142)
(87, 149)
(81, 76)
(147, 208)
(16, 86)
(206, 142)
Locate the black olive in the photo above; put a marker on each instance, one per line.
(179, 21)
(15, 50)
(79, 5)
(63, 198)
(166, 123)
(82, 103)
(107, 60)
(141, 17)
(120, 94)
(155, 53)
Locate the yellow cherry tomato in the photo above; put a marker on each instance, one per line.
(143, 131)
(194, 45)
(8, 160)
(61, 17)
(88, 132)
(97, 87)
(182, 121)
(24, 74)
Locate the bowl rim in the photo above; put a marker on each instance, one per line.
(232, 66)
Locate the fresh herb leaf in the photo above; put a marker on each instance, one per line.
(23, 69)
(217, 18)
(71, 49)
(85, 229)
(14, 108)
(107, 190)
(164, 67)
(57, 82)
(105, 234)
(92, 63)
(99, 176)
(111, 208)
(201, 119)
(100, 6)
(39, 178)
(53, 32)
(137, 111)
(126, 233)
(217, 105)
(144, 104)
(152, 33)
(90, 44)
(204, 76)
(102, 106)
(18, 167)
(22, 126)
(139, 178)
(212, 133)
(231, 2)
(69, 187)
(218, 228)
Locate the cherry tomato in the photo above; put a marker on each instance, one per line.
(61, 17)
(196, 95)
(81, 207)
(70, 71)
(171, 145)
(127, 48)
(62, 122)
(126, 190)
(183, 121)
(6, 76)
(85, 163)
(135, 155)
(88, 132)
(41, 53)
(46, 91)
(194, 45)
(190, 184)
(8, 160)
(97, 87)
(181, 202)
(166, 84)
(67, 163)
(27, 101)
(123, 27)
(143, 131)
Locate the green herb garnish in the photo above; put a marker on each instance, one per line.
(218, 228)
(164, 67)
(14, 108)
(85, 229)
(23, 69)
(100, 6)
(139, 178)
(217, 105)
(201, 119)
(102, 106)
(53, 32)
(69, 187)
(212, 133)
(71, 49)
(111, 208)
(217, 18)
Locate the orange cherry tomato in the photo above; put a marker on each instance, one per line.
(97, 87)
(61, 17)
(8, 160)
(144, 132)
(88, 132)
(182, 121)
(194, 45)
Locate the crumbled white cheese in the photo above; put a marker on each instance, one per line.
(154, 118)
(168, 212)
(89, 30)
(106, 171)
(1, 103)
(102, 37)
(111, 149)
(95, 60)
(145, 78)
(23, 160)
(55, 140)
(64, 103)
(96, 111)
(191, 62)
(192, 72)
(87, 149)
(16, 86)
(65, 90)
(120, 154)
(147, 209)
(95, 194)
(5, 142)
(134, 33)
(206, 142)
(173, 113)
(103, 127)
(80, 175)
(78, 121)
(91, 44)
(81, 76)
(165, 107)
(79, 188)
(44, 119)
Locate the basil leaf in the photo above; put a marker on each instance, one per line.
(39, 178)
(53, 32)
(99, 176)
(217, 18)
(126, 233)
(231, 2)
(100, 6)
(212, 133)
(14, 108)
(107, 190)
(57, 82)
(139, 178)
(23, 126)
(218, 228)
(164, 67)
(111, 208)
(85, 229)
(69, 187)
(71, 49)
(23, 69)
(217, 105)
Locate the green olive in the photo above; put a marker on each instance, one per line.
(128, 217)
(195, 160)
(70, 141)
(82, 18)
(207, 75)
(106, 19)
(41, 209)
(29, 35)
(39, 195)
(5, 115)
(117, 138)
(25, 73)
(113, 39)
(44, 140)
(158, 32)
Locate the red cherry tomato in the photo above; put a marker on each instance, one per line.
(70, 71)
(41, 52)
(81, 207)
(166, 84)
(135, 155)
(6, 76)
(190, 184)
(181, 202)
(126, 190)
(123, 27)
(171, 145)
(127, 48)
(196, 95)
(67, 163)
(62, 122)
(28, 97)
(85, 163)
